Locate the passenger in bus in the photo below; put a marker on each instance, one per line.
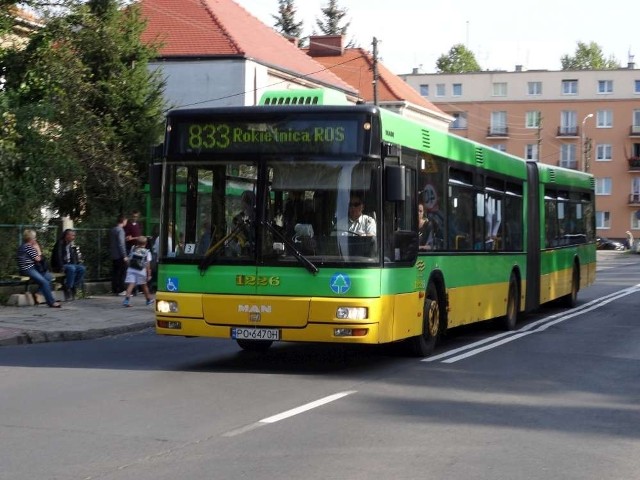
(359, 223)
(244, 239)
(425, 229)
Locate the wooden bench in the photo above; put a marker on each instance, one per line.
(58, 278)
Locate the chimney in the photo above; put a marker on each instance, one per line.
(293, 40)
(518, 68)
(326, 45)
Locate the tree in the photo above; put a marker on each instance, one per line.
(285, 21)
(459, 60)
(588, 57)
(86, 112)
(333, 15)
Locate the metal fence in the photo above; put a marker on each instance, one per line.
(93, 243)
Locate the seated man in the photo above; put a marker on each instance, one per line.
(66, 258)
(359, 223)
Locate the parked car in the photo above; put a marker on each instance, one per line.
(604, 243)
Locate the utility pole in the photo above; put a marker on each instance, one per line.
(583, 146)
(375, 71)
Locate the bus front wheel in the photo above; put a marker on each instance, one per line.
(424, 344)
(259, 346)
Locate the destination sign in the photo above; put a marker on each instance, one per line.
(320, 136)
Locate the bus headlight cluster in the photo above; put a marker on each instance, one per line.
(352, 313)
(167, 306)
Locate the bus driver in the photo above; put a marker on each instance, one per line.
(359, 223)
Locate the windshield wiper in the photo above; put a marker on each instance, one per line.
(215, 248)
(304, 261)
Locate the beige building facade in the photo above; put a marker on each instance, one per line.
(587, 120)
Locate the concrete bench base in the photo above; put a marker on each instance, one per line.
(27, 300)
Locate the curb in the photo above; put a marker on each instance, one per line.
(33, 336)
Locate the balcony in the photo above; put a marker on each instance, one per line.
(634, 131)
(498, 132)
(573, 164)
(566, 131)
(634, 199)
(634, 163)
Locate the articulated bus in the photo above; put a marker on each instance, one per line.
(257, 241)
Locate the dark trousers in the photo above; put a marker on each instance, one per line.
(118, 274)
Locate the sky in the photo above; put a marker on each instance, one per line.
(500, 33)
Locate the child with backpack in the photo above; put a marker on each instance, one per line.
(138, 271)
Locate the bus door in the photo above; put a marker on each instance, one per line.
(532, 300)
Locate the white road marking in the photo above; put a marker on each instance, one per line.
(289, 413)
(538, 326)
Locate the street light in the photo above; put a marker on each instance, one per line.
(584, 143)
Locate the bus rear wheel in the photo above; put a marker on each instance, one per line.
(571, 300)
(424, 344)
(259, 346)
(513, 300)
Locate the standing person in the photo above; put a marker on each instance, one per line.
(138, 271)
(425, 229)
(66, 258)
(29, 256)
(118, 252)
(132, 230)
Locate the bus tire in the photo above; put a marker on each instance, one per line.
(571, 300)
(510, 320)
(424, 344)
(259, 346)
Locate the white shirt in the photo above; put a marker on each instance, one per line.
(363, 225)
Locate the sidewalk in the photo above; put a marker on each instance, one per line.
(92, 317)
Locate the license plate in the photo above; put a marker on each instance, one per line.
(255, 334)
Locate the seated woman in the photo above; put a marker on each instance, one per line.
(30, 254)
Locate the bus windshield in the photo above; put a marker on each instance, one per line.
(273, 210)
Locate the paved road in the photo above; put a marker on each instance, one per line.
(559, 399)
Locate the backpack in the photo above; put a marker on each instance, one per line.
(138, 258)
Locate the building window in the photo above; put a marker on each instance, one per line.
(635, 221)
(568, 123)
(500, 147)
(531, 152)
(603, 220)
(498, 123)
(605, 86)
(603, 186)
(637, 86)
(424, 90)
(533, 119)
(456, 89)
(499, 89)
(534, 88)
(635, 190)
(604, 119)
(440, 90)
(460, 121)
(569, 87)
(635, 126)
(568, 156)
(603, 152)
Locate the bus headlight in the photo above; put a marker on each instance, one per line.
(352, 313)
(167, 306)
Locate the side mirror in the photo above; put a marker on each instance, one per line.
(155, 180)
(394, 176)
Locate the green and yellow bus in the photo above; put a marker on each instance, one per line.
(260, 238)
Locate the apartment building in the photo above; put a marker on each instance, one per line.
(587, 120)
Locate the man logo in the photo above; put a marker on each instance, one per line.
(254, 308)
